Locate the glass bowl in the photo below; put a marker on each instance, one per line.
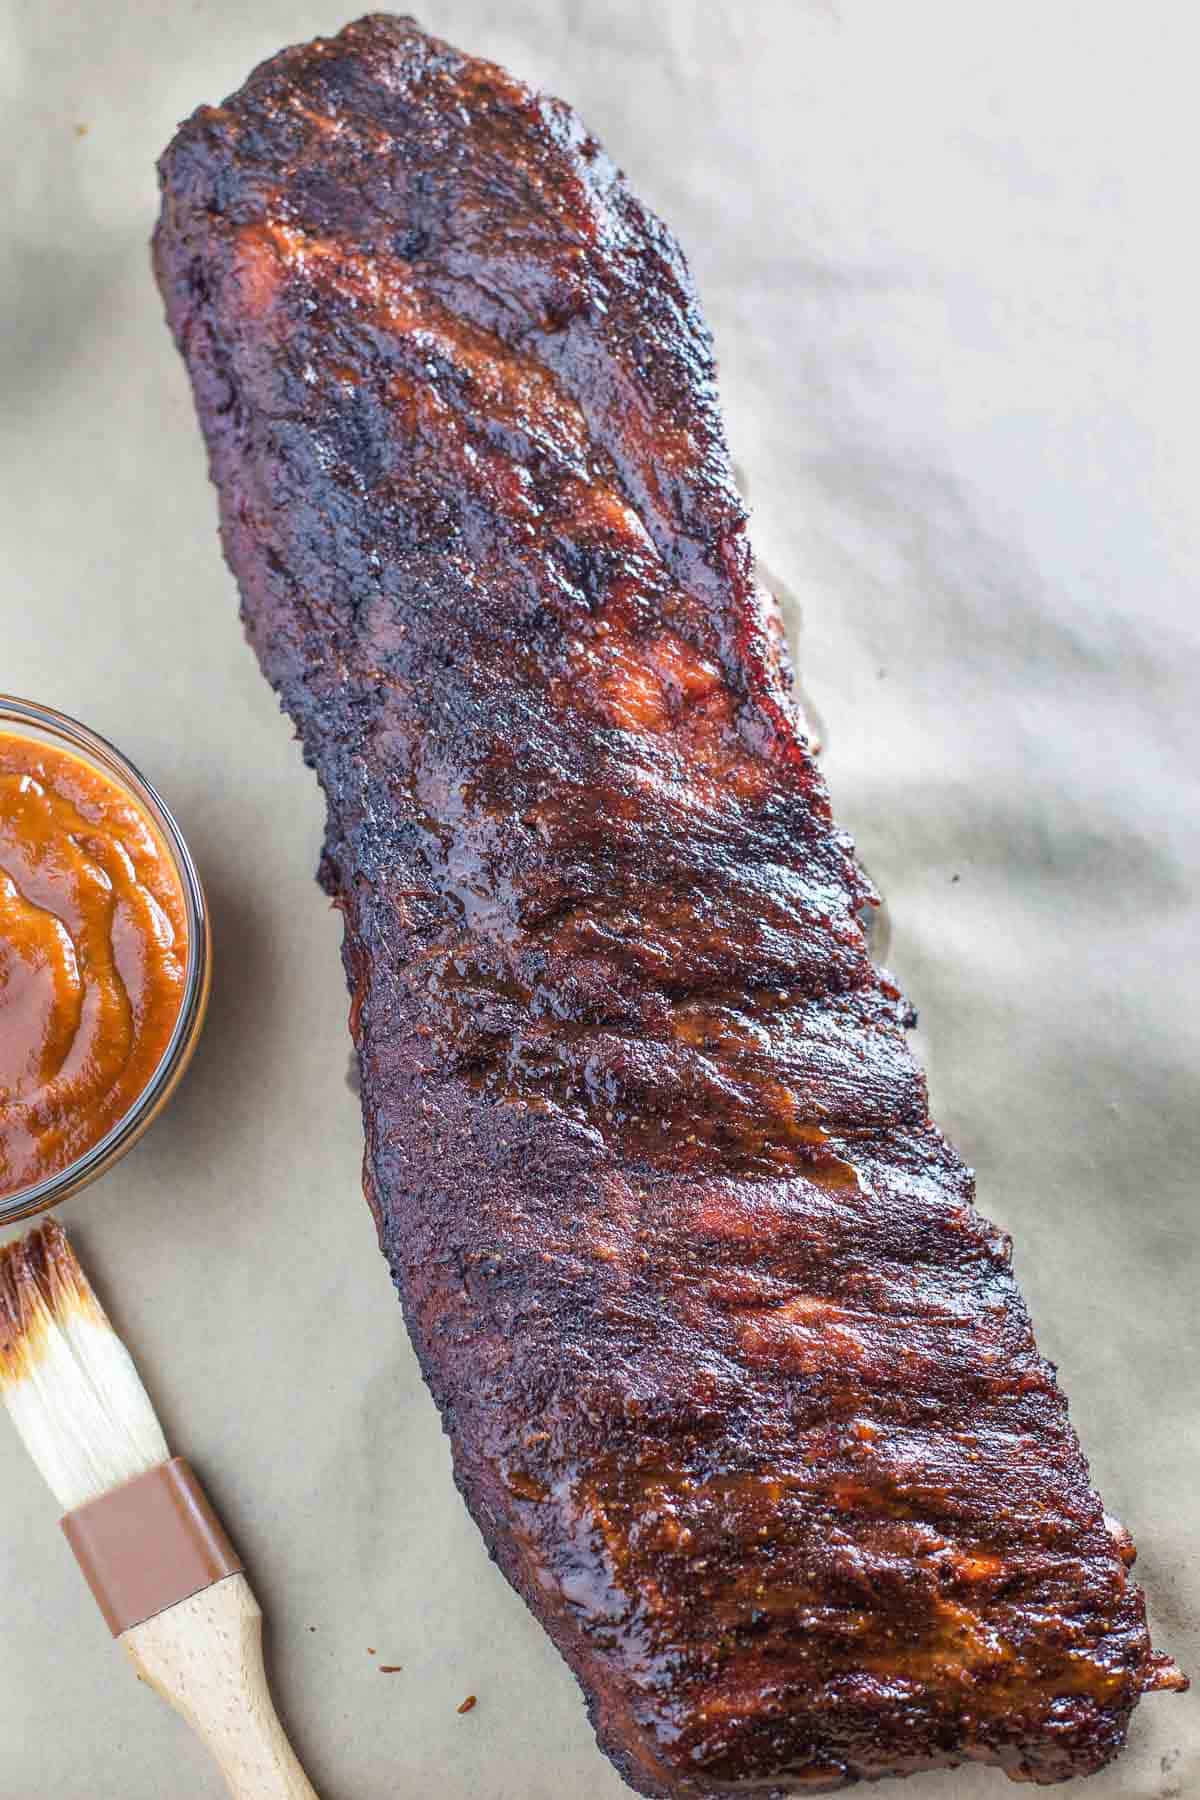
(25, 719)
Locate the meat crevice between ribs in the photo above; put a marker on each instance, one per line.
(740, 1388)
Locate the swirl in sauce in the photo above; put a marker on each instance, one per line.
(93, 957)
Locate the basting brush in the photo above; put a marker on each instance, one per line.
(164, 1574)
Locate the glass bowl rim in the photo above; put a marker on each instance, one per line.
(101, 753)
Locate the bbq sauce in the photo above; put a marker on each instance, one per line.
(93, 956)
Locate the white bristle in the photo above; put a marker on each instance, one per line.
(67, 1379)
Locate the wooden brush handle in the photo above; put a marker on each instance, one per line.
(204, 1656)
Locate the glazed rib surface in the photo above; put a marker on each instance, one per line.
(740, 1388)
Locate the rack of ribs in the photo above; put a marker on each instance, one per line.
(740, 1388)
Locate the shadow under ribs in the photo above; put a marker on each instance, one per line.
(740, 1389)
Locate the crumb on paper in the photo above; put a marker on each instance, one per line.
(312, 1628)
(81, 131)
(370, 1650)
(468, 1703)
(390, 1668)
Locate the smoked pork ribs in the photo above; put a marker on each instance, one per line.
(741, 1392)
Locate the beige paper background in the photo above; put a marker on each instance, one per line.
(946, 251)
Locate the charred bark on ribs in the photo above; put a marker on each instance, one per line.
(740, 1389)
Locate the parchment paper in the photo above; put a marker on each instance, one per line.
(945, 252)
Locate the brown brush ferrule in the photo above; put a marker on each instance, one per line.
(149, 1544)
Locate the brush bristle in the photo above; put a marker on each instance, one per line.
(65, 1376)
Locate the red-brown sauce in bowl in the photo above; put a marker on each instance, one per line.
(93, 957)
